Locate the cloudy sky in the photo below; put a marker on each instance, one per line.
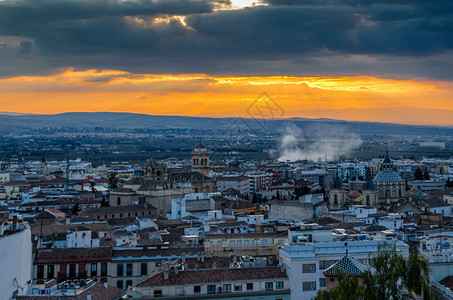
(381, 60)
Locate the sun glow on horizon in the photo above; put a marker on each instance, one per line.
(359, 98)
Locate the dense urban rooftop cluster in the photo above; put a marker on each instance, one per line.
(198, 227)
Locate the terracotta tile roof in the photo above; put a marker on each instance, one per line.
(154, 252)
(43, 255)
(215, 275)
(447, 282)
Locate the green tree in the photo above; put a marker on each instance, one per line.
(449, 183)
(418, 174)
(75, 209)
(393, 277)
(347, 289)
(303, 190)
(104, 202)
(92, 187)
(113, 181)
(426, 174)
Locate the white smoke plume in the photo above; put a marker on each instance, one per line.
(317, 144)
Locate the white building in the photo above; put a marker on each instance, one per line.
(81, 237)
(306, 254)
(239, 183)
(438, 250)
(197, 205)
(16, 260)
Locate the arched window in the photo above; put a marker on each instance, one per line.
(367, 199)
(387, 194)
(118, 201)
(335, 199)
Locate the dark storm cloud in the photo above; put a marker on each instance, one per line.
(264, 39)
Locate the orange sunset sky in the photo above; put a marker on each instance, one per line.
(359, 98)
(380, 61)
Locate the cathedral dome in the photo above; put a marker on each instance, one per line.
(387, 176)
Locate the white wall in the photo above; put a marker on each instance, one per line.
(15, 263)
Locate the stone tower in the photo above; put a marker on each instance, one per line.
(369, 191)
(337, 196)
(200, 159)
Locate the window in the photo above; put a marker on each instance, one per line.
(197, 289)
(269, 286)
(227, 288)
(250, 286)
(143, 269)
(94, 270)
(118, 201)
(308, 268)
(104, 269)
(211, 289)
(119, 270)
(238, 287)
(72, 268)
(50, 271)
(231, 243)
(179, 290)
(128, 283)
(322, 282)
(309, 286)
(40, 272)
(280, 285)
(239, 243)
(322, 264)
(264, 243)
(119, 284)
(246, 243)
(129, 270)
(157, 293)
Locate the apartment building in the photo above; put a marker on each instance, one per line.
(307, 254)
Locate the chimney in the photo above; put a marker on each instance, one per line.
(166, 274)
(106, 285)
(177, 270)
(202, 257)
(198, 256)
(183, 258)
(214, 265)
(282, 268)
(68, 221)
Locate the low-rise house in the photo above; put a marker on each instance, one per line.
(257, 244)
(71, 290)
(118, 212)
(236, 283)
(71, 263)
(439, 206)
(131, 266)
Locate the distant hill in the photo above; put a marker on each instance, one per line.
(19, 122)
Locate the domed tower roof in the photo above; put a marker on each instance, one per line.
(369, 184)
(200, 148)
(387, 164)
(337, 183)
